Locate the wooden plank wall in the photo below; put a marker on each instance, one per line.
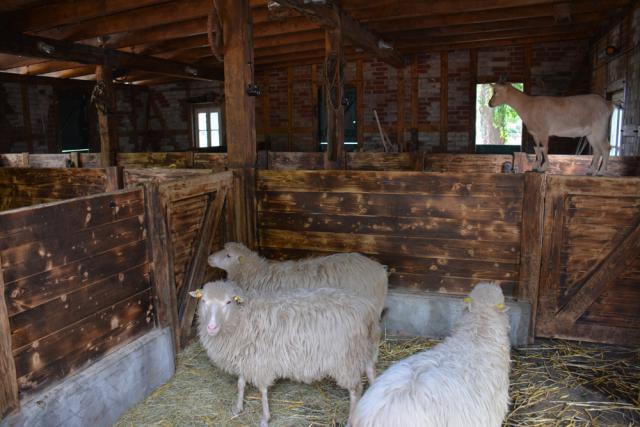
(586, 219)
(136, 176)
(490, 163)
(435, 231)
(26, 186)
(23, 160)
(383, 161)
(77, 282)
(181, 159)
(561, 164)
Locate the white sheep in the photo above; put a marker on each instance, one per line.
(354, 271)
(464, 381)
(301, 334)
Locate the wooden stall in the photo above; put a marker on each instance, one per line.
(28, 186)
(560, 164)
(437, 232)
(181, 159)
(76, 282)
(590, 261)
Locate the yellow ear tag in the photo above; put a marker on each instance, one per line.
(237, 299)
(468, 299)
(241, 259)
(198, 294)
(500, 306)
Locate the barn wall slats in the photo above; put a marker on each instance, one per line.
(590, 260)
(434, 231)
(77, 282)
(26, 186)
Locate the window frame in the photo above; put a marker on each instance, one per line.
(495, 148)
(208, 108)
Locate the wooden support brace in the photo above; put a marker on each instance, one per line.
(115, 178)
(162, 261)
(198, 265)
(9, 399)
(601, 277)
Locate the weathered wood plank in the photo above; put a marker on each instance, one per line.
(560, 164)
(434, 228)
(54, 315)
(44, 222)
(393, 205)
(9, 399)
(380, 244)
(442, 284)
(153, 159)
(467, 163)
(478, 185)
(35, 257)
(295, 160)
(172, 191)
(135, 176)
(29, 292)
(68, 350)
(380, 161)
(198, 266)
(217, 162)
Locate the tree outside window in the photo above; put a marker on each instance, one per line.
(496, 126)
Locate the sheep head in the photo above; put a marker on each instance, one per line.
(231, 256)
(500, 94)
(486, 295)
(218, 302)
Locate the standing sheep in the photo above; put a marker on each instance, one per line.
(301, 334)
(464, 381)
(353, 271)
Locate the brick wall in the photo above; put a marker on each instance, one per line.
(555, 69)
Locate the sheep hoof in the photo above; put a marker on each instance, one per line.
(264, 423)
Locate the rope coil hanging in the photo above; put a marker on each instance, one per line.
(333, 77)
(214, 24)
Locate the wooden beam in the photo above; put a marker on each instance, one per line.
(20, 44)
(602, 276)
(360, 103)
(240, 114)
(333, 94)
(444, 100)
(106, 113)
(9, 399)
(332, 17)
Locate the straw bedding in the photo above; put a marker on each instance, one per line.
(553, 383)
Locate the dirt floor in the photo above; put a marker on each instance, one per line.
(553, 383)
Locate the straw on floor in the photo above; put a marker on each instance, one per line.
(553, 383)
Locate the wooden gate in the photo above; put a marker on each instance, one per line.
(590, 262)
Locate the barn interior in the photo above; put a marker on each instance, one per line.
(138, 137)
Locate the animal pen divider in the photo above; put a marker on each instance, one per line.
(82, 277)
(567, 245)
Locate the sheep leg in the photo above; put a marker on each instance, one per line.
(240, 402)
(605, 160)
(354, 397)
(371, 373)
(264, 422)
(595, 161)
(544, 165)
(536, 165)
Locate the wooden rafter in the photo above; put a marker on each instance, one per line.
(20, 44)
(330, 16)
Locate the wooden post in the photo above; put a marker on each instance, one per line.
(444, 100)
(290, 108)
(161, 253)
(415, 144)
(26, 116)
(531, 242)
(360, 103)
(9, 399)
(240, 114)
(24, 160)
(115, 179)
(473, 78)
(106, 123)
(334, 90)
(314, 107)
(400, 101)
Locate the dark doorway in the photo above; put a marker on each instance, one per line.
(73, 121)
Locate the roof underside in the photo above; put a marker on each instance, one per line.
(177, 30)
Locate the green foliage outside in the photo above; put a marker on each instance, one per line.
(506, 120)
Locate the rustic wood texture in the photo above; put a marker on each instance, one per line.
(475, 163)
(439, 232)
(9, 399)
(380, 161)
(94, 250)
(295, 161)
(590, 260)
(25, 186)
(135, 176)
(106, 109)
(531, 241)
(217, 162)
(179, 159)
(560, 164)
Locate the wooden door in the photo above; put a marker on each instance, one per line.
(590, 267)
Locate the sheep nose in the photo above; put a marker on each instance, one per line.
(212, 328)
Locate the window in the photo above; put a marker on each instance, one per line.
(207, 120)
(73, 121)
(615, 137)
(499, 127)
(350, 125)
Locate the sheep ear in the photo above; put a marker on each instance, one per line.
(241, 259)
(238, 299)
(196, 294)
(500, 306)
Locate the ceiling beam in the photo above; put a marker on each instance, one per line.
(20, 44)
(330, 16)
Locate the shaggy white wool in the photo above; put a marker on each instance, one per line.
(354, 271)
(464, 381)
(301, 334)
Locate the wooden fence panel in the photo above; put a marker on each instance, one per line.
(560, 164)
(77, 276)
(26, 186)
(471, 163)
(591, 260)
(440, 232)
